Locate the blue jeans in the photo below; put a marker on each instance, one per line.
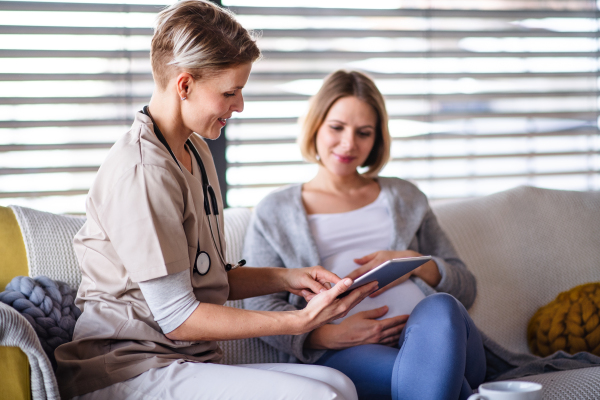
(440, 357)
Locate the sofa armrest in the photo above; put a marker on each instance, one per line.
(14, 366)
(14, 374)
(16, 331)
(14, 258)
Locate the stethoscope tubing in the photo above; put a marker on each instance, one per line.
(210, 199)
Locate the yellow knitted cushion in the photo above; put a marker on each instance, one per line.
(571, 322)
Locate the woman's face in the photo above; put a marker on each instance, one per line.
(346, 137)
(212, 100)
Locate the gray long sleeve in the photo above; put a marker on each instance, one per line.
(171, 299)
(279, 236)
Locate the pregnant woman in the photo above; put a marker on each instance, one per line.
(406, 341)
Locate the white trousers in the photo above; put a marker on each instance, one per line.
(187, 380)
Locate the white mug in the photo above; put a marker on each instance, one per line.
(508, 390)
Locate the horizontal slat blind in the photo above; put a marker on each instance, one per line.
(483, 95)
(72, 75)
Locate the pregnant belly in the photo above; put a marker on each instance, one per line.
(400, 299)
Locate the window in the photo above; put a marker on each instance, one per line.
(71, 77)
(482, 97)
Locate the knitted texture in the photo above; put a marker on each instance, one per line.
(570, 323)
(245, 351)
(577, 384)
(49, 244)
(48, 306)
(15, 331)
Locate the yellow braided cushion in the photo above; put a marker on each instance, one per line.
(571, 322)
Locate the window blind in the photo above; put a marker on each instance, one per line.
(482, 96)
(72, 75)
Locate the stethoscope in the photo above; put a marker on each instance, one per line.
(202, 262)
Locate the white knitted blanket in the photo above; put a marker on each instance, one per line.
(49, 244)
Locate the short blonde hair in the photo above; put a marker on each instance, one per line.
(198, 37)
(347, 84)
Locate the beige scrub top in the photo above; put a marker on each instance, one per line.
(145, 217)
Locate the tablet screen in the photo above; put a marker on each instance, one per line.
(388, 272)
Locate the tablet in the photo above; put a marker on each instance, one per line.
(388, 272)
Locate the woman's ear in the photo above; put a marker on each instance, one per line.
(184, 84)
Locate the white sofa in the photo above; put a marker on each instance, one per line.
(524, 246)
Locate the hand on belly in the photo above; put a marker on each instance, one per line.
(400, 299)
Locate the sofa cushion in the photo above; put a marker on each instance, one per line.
(571, 323)
(47, 305)
(246, 351)
(524, 246)
(577, 384)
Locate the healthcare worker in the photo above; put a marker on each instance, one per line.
(152, 252)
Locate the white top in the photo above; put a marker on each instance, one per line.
(342, 237)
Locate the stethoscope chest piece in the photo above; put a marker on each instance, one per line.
(202, 265)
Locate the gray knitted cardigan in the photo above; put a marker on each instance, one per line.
(279, 236)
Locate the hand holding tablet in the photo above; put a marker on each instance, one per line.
(388, 272)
